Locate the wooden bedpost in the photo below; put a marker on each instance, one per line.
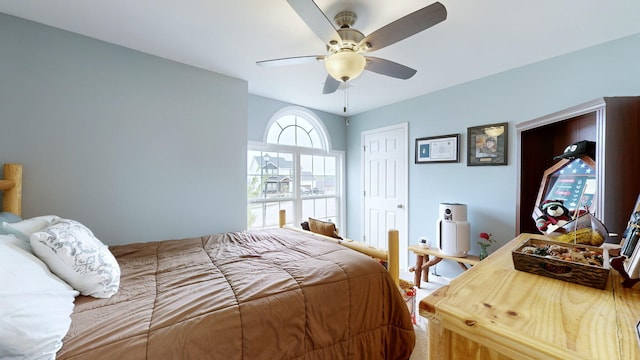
(393, 257)
(283, 218)
(12, 196)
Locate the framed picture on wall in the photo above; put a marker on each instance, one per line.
(487, 144)
(440, 149)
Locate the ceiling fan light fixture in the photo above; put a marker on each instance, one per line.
(345, 65)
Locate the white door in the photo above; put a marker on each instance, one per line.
(385, 176)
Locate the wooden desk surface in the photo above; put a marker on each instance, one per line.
(469, 259)
(494, 311)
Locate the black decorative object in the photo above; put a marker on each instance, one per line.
(578, 149)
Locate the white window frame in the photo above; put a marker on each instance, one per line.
(297, 151)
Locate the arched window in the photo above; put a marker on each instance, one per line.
(294, 169)
(297, 127)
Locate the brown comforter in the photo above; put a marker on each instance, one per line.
(267, 294)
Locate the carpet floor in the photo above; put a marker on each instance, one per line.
(420, 351)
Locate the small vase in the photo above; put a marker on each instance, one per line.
(483, 253)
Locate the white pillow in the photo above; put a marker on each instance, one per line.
(74, 254)
(35, 305)
(23, 229)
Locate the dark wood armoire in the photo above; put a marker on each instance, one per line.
(614, 124)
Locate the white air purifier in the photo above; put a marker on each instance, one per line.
(453, 230)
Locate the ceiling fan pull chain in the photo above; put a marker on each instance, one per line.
(346, 98)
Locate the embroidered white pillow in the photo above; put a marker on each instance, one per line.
(74, 254)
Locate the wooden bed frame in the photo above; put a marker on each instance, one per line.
(388, 332)
(391, 256)
(11, 187)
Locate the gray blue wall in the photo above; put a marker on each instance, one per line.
(514, 96)
(136, 147)
(141, 148)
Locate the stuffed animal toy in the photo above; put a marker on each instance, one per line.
(554, 215)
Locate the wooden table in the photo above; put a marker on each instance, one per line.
(423, 263)
(493, 311)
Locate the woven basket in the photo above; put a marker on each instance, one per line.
(577, 273)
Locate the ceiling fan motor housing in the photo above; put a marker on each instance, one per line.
(344, 61)
(350, 36)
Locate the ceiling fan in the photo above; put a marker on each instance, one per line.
(345, 45)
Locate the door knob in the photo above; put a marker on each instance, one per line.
(399, 206)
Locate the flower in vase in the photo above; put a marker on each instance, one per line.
(485, 241)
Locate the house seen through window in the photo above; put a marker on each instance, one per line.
(293, 169)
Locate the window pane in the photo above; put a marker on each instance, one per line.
(306, 177)
(287, 120)
(255, 216)
(288, 136)
(307, 209)
(320, 208)
(294, 130)
(272, 212)
(331, 209)
(295, 136)
(302, 132)
(303, 123)
(274, 133)
(318, 175)
(330, 165)
(277, 175)
(315, 139)
(303, 138)
(318, 165)
(255, 175)
(329, 184)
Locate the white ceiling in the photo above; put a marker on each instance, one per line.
(479, 38)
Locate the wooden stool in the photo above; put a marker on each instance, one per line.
(423, 263)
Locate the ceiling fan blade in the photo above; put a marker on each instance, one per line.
(316, 20)
(389, 68)
(291, 61)
(405, 26)
(330, 85)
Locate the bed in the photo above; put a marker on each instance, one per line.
(262, 294)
